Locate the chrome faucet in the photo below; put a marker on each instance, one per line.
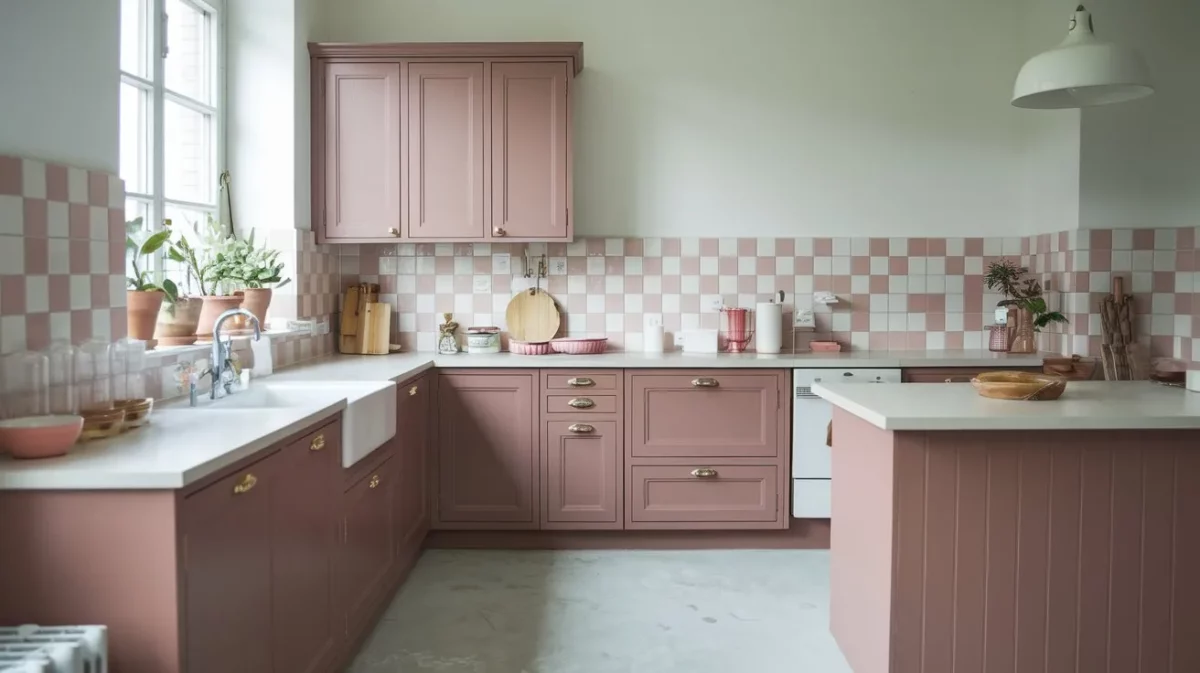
(222, 363)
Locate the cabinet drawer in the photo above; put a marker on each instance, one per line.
(583, 381)
(581, 403)
(683, 496)
(705, 414)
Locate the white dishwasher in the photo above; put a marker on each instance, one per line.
(811, 457)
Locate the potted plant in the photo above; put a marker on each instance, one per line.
(1024, 297)
(201, 260)
(254, 270)
(177, 318)
(144, 298)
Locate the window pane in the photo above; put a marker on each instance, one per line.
(135, 38)
(135, 138)
(183, 221)
(134, 209)
(188, 146)
(189, 64)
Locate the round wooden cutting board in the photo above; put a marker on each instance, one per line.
(532, 316)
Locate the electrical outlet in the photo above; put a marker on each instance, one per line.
(805, 318)
(711, 302)
(501, 263)
(323, 326)
(558, 266)
(482, 284)
(652, 320)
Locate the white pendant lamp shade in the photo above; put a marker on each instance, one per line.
(1081, 72)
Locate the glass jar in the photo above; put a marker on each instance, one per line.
(63, 356)
(26, 378)
(93, 375)
(998, 339)
(129, 357)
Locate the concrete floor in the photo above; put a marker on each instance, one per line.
(609, 612)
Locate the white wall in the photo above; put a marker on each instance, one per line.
(59, 77)
(771, 117)
(1140, 164)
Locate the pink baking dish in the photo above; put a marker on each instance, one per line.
(39, 436)
(825, 347)
(529, 347)
(580, 346)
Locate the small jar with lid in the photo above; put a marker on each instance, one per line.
(483, 340)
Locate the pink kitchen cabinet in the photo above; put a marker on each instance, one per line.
(360, 199)
(487, 458)
(446, 153)
(412, 454)
(531, 153)
(708, 496)
(368, 544)
(582, 475)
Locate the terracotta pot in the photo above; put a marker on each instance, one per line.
(256, 301)
(211, 310)
(178, 329)
(141, 313)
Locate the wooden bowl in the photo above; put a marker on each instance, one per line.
(137, 412)
(1019, 386)
(39, 436)
(101, 423)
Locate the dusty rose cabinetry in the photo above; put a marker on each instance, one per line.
(953, 374)
(442, 142)
(368, 528)
(706, 449)
(487, 466)
(582, 450)
(412, 449)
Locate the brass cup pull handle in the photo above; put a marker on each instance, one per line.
(393, 231)
(581, 382)
(412, 391)
(247, 482)
(704, 473)
(949, 380)
(374, 483)
(581, 403)
(317, 443)
(704, 382)
(580, 428)
(499, 231)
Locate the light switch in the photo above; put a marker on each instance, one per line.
(501, 263)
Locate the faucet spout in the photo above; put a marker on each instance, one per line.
(221, 349)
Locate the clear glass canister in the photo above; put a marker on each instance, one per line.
(26, 385)
(63, 356)
(93, 375)
(129, 358)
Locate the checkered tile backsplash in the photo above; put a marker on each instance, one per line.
(895, 293)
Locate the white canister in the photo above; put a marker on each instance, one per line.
(653, 339)
(483, 340)
(768, 327)
(1192, 382)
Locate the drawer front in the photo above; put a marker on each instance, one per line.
(582, 475)
(583, 381)
(581, 403)
(703, 494)
(686, 415)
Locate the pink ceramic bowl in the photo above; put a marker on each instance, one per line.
(529, 347)
(580, 346)
(825, 347)
(39, 436)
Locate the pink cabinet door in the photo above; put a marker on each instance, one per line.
(487, 451)
(445, 159)
(227, 573)
(412, 502)
(368, 544)
(582, 475)
(703, 495)
(706, 413)
(530, 150)
(304, 526)
(362, 151)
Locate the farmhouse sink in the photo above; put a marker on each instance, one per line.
(368, 422)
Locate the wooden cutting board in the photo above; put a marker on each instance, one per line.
(376, 328)
(353, 327)
(532, 316)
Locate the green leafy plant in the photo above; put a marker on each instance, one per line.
(1005, 276)
(249, 266)
(1041, 316)
(201, 259)
(143, 249)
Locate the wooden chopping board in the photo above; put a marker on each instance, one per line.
(532, 316)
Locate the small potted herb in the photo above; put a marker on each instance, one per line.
(144, 297)
(256, 271)
(1024, 296)
(202, 262)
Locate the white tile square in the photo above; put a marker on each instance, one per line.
(765, 285)
(860, 247)
(935, 340)
(1164, 239)
(116, 192)
(652, 284)
(954, 284)
(500, 304)
(766, 247)
(595, 266)
(12, 334)
(406, 284)
(670, 303)
(102, 323)
(633, 266)
(804, 285)
(689, 284)
(58, 224)
(1122, 260)
(841, 321)
(463, 266)
(879, 303)
(954, 322)
(59, 256)
(1012, 246)
(670, 266)
(12, 215)
(426, 303)
(1162, 303)
(37, 294)
(973, 340)
(652, 247)
(576, 323)
(1162, 325)
(689, 247)
(916, 322)
(426, 266)
(898, 247)
(841, 248)
(1122, 239)
(405, 265)
(973, 266)
(1164, 260)
(935, 284)
(443, 284)
(897, 303)
(387, 265)
(727, 284)
(994, 247)
(804, 247)
(98, 258)
(1143, 260)
(443, 249)
(879, 322)
(1099, 281)
(77, 185)
(477, 249)
(408, 322)
(577, 284)
(116, 291)
(60, 326)
(898, 284)
(955, 247)
(464, 304)
(689, 320)
(33, 179)
(860, 284)
(97, 223)
(480, 284)
(841, 266)
(935, 265)
(708, 266)
(614, 247)
(727, 247)
(954, 303)
(633, 303)
(747, 266)
(616, 284)
(918, 266)
(822, 266)
(578, 248)
(595, 303)
(879, 266)
(917, 284)
(81, 292)
(897, 322)
(785, 266)
(1143, 281)
(12, 255)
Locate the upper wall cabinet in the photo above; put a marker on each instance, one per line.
(436, 142)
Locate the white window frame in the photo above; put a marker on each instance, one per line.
(155, 201)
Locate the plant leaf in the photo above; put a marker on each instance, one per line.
(170, 289)
(155, 242)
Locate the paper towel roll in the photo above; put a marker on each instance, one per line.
(768, 327)
(652, 340)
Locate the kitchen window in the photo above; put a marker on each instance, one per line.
(171, 126)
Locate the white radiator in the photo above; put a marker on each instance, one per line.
(53, 649)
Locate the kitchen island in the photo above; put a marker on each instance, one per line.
(989, 535)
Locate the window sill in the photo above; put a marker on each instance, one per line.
(163, 352)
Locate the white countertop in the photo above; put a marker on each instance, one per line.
(182, 445)
(1086, 405)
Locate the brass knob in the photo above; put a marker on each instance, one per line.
(318, 443)
(393, 231)
(705, 382)
(247, 482)
(580, 428)
(412, 391)
(581, 403)
(580, 382)
(374, 481)
(949, 380)
(704, 473)
(499, 231)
